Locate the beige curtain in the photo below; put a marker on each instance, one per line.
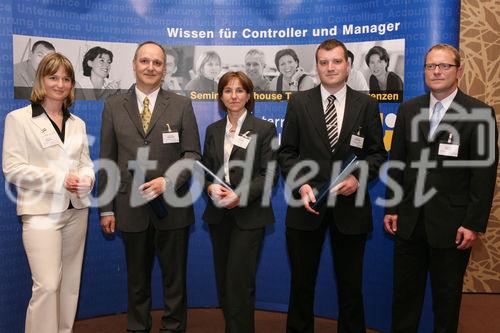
(480, 50)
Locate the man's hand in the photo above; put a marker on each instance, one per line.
(347, 187)
(108, 224)
(391, 223)
(153, 188)
(465, 238)
(307, 196)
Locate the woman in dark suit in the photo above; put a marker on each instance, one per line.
(240, 149)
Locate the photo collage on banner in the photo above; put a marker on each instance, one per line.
(276, 71)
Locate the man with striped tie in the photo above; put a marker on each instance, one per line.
(324, 126)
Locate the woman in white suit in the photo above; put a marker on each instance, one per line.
(46, 156)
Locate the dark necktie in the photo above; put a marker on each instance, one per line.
(331, 121)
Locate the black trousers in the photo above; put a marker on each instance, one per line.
(304, 250)
(171, 248)
(236, 253)
(413, 258)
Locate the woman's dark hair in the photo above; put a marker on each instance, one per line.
(91, 55)
(246, 83)
(282, 53)
(381, 52)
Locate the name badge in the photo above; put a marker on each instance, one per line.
(240, 141)
(170, 137)
(448, 149)
(49, 140)
(357, 141)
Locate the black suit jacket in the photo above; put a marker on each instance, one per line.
(254, 215)
(122, 134)
(305, 138)
(464, 194)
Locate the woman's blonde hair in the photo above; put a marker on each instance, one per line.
(49, 65)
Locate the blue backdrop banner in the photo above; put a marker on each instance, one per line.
(230, 35)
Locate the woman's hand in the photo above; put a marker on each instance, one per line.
(79, 186)
(222, 196)
(112, 84)
(84, 186)
(231, 200)
(71, 182)
(294, 82)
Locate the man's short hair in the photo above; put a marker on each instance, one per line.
(330, 44)
(259, 54)
(43, 43)
(150, 42)
(448, 47)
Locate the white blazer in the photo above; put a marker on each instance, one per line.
(36, 161)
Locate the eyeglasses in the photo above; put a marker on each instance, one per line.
(443, 67)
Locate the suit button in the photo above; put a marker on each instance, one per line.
(146, 142)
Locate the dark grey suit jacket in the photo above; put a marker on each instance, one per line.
(122, 134)
(464, 194)
(305, 138)
(254, 215)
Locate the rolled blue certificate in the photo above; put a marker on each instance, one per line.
(212, 176)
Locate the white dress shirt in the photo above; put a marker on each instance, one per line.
(445, 102)
(152, 99)
(339, 104)
(228, 143)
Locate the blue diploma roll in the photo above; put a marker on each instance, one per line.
(211, 176)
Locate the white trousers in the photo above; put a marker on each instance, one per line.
(54, 246)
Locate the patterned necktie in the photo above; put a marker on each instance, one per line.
(146, 115)
(331, 121)
(436, 116)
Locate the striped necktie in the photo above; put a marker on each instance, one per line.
(145, 115)
(331, 121)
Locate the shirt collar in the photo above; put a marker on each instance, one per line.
(238, 124)
(339, 95)
(140, 95)
(37, 109)
(446, 102)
